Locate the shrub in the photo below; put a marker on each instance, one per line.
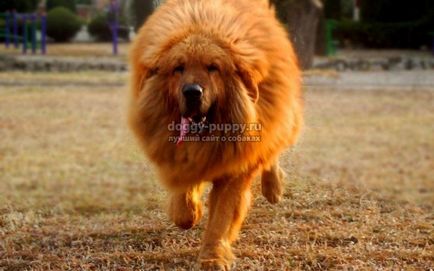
(140, 11)
(99, 28)
(392, 11)
(83, 2)
(20, 29)
(19, 5)
(69, 4)
(385, 35)
(62, 24)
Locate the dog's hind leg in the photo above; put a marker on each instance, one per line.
(185, 208)
(272, 182)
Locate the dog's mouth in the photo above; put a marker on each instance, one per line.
(187, 121)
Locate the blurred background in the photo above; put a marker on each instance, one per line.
(317, 28)
(77, 193)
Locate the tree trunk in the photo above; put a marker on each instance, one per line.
(320, 46)
(141, 10)
(301, 18)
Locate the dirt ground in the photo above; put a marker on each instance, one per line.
(76, 193)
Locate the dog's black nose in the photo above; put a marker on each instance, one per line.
(192, 91)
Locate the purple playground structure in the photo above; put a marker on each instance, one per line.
(114, 24)
(21, 29)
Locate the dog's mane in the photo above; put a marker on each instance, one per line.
(245, 29)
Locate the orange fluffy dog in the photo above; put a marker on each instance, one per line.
(211, 64)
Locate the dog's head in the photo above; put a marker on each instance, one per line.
(195, 69)
(207, 79)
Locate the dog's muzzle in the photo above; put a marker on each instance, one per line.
(193, 96)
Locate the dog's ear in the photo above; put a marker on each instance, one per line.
(139, 76)
(251, 66)
(143, 63)
(251, 80)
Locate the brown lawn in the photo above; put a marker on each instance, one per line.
(76, 193)
(74, 50)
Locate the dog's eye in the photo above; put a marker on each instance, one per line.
(179, 69)
(153, 72)
(212, 68)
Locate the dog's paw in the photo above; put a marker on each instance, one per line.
(272, 185)
(216, 257)
(213, 265)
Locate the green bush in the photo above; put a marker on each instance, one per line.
(83, 2)
(140, 11)
(18, 5)
(385, 35)
(69, 4)
(392, 11)
(99, 28)
(20, 29)
(62, 24)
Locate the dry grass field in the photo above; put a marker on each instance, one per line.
(75, 50)
(76, 193)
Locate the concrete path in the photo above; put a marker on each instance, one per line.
(379, 80)
(371, 80)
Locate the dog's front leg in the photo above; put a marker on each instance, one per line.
(185, 208)
(228, 205)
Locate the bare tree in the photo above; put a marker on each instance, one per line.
(141, 10)
(301, 18)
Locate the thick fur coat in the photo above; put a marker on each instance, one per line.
(240, 55)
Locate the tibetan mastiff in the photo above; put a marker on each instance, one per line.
(215, 98)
